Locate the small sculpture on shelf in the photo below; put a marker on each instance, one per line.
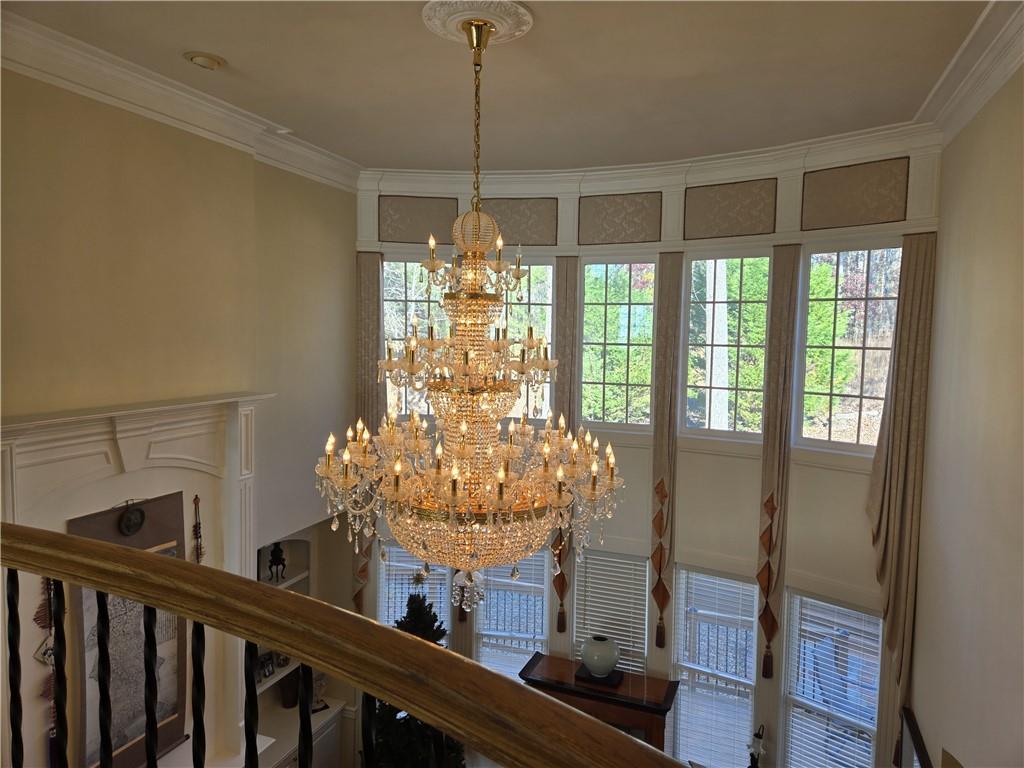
(277, 563)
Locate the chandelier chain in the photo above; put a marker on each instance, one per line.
(476, 137)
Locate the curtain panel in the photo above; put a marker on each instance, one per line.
(778, 409)
(668, 308)
(566, 387)
(371, 396)
(897, 478)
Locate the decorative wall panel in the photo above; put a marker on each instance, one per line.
(630, 218)
(405, 219)
(853, 195)
(727, 210)
(525, 220)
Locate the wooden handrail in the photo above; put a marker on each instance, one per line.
(506, 721)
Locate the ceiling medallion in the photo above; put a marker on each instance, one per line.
(468, 491)
(446, 18)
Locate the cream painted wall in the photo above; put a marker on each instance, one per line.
(968, 655)
(141, 262)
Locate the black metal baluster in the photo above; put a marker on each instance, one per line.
(14, 668)
(149, 660)
(252, 706)
(198, 695)
(305, 751)
(60, 677)
(103, 679)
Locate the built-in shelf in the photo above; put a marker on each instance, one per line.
(282, 725)
(279, 674)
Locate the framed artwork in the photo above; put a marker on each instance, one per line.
(156, 525)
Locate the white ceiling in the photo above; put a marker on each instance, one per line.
(592, 84)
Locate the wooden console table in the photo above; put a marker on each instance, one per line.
(638, 703)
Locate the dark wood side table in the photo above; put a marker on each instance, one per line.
(638, 703)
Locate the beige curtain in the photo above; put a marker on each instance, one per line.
(371, 396)
(566, 389)
(664, 416)
(894, 497)
(778, 409)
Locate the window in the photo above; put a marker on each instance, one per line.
(831, 685)
(405, 295)
(725, 341)
(510, 621)
(610, 598)
(715, 645)
(618, 330)
(397, 580)
(851, 314)
(526, 308)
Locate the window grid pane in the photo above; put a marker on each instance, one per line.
(532, 305)
(725, 343)
(851, 316)
(397, 580)
(406, 294)
(511, 621)
(715, 645)
(618, 332)
(832, 684)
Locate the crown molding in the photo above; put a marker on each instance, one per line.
(44, 54)
(992, 52)
(788, 160)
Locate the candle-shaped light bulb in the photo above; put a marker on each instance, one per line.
(561, 423)
(608, 450)
(611, 467)
(519, 256)
(522, 420)
(455, 479)
(329, 448)
(438, 453)
(501, 483)
(586, 441)
(359, 427)
(547, 453)
(596, 446)
(346, 459)
(398, 472)
(433, 245)
(348, 434)
(593, 475)
(560, 478)
(574, 449)
(498, 245)
(463, 429)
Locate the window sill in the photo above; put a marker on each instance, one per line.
(719, 445)
(825, 458)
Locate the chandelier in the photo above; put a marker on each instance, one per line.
(477, 490)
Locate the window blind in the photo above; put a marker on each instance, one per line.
(714, 650)
(832, 685)
(396, 582)
(610, 598)
(511, 620)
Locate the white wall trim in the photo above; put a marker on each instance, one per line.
(44, 54)
(988, 57)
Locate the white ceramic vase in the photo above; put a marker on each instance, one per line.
(600, 654)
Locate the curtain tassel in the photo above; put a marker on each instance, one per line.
(659, 633)
(561, 618)
(767, 663)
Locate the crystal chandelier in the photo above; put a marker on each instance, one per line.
(475, 491)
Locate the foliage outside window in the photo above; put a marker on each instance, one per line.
(405, 295)
(531, 306)
(833, 659)
(851, 315)
(618, 332)
(725, 343)
(715, 643)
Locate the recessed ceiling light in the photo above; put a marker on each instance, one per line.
(210, 61)
(282, 131)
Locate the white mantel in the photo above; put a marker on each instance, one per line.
(54, 467)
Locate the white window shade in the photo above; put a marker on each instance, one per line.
(610, 598)
(831, 685)
(715, 646)
(511, 621)
(397, 580)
